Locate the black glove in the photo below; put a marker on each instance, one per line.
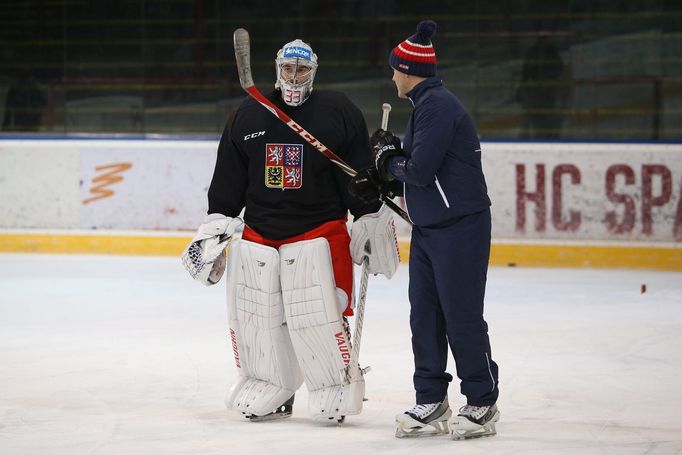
(385, 145)
(366, 185)
(379, 136)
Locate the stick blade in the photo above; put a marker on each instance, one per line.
(242, 52)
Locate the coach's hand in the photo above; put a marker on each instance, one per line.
(385, 146)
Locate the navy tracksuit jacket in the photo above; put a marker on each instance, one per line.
(448, 203)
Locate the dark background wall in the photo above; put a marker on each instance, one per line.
(526, 69)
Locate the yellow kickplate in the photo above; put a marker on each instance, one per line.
(506, 254)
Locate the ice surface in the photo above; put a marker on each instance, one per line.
(118, 355)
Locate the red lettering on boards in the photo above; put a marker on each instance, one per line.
(574, 216)
(620, 187)
(648, 199)
(537, 198)
(627, 223)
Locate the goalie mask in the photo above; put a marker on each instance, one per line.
(296, 64)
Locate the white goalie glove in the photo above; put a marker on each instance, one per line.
(204, 257)
(373, 235)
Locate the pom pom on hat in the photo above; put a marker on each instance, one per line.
(416, 55)
(426, 29)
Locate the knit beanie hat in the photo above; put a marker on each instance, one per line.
(416, 55)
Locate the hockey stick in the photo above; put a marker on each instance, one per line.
(359, 321)
(242, 52)
(360, 308)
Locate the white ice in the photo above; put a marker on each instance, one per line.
(117, 355)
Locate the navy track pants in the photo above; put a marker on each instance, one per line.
(448, 269)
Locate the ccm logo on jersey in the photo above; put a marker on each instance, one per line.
(252, 135)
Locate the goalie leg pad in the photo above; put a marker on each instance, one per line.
(267, 365)
(318, 331)
(337, 401)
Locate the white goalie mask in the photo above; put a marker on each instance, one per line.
(296, 64)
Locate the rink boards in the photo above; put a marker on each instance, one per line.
(554, 204)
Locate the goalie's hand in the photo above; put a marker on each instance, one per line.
(373, 235)
(204, 257)
(368, 186)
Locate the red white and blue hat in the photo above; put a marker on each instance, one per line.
(416, 55)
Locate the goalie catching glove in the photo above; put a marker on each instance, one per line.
(204, 257)
(373, 235)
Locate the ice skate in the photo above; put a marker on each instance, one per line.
(282, 412)
(474, 422)
(424, 420)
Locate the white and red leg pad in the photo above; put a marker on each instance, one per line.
(268, 369)
(320, 339)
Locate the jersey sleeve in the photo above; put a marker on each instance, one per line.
(227, 192)
(357, 154)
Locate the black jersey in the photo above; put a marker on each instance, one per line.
(286, 185)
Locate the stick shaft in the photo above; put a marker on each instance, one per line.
(360, 307)
(359, 321)
(386, 110)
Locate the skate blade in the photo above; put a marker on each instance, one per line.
(329, 420)
(426, 431)
(469, 430)
(460, 435)
(269, 417)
